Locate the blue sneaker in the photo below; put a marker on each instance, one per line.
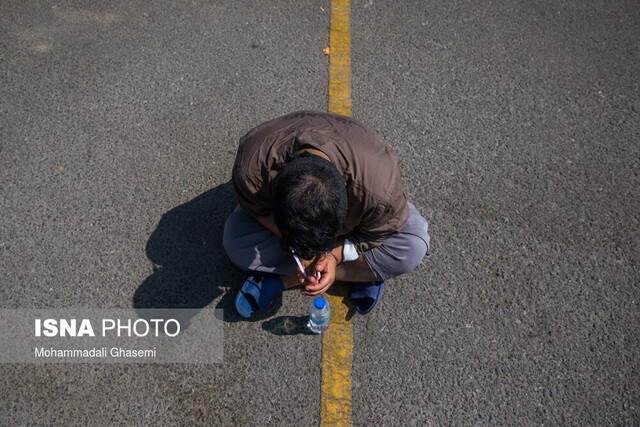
(257, 293)
(365, 295)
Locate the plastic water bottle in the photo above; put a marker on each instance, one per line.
(319, 312)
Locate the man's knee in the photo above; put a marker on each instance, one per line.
(229, 243)
(389, 260)
(415, 241)
(414, 256)
(237, 239)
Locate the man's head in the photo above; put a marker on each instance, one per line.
(309, 205)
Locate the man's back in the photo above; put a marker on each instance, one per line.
(377, 203)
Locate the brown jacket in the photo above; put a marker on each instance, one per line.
(377, 204)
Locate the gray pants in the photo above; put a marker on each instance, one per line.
(252, 247)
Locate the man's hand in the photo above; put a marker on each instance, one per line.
(326, 265)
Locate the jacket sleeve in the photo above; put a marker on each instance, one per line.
(378, 223)
(250, 193)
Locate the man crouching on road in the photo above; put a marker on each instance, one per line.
(327, 190)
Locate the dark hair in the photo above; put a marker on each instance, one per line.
(309, 205)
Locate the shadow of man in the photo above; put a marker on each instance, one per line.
(190, 262)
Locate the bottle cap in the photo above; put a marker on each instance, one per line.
(319, 303)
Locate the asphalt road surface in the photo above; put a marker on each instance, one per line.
(517, 128)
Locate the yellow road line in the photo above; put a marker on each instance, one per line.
(340, 59)
(337, 341)
(337, 350)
